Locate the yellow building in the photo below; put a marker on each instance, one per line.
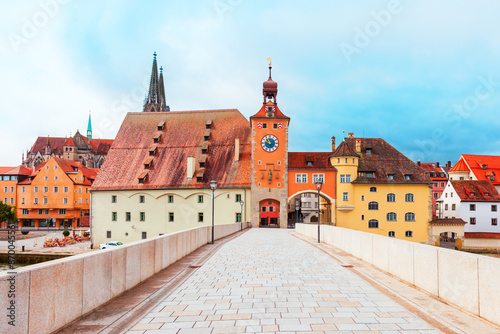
(381, 191)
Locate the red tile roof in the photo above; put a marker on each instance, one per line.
(448, 221)
(481, 166)
(19, 170)
(344, 150)
(436, 173)
(56, 144)
(476, 191)
(482, 235)
(4, 170)
(460, 166)
(277, 113)
(99, 146)
(70, 166)
(320, 160)
(384, 160)
(183, 136)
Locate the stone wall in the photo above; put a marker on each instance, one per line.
(468, 281)
(52, 294)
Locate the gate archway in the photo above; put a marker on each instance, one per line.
(269, 213)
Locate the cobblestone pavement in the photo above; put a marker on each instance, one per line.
(267, 281)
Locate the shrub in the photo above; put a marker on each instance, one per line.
(65, 233)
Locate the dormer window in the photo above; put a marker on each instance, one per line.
(156, 138)
(309, 163)
(407, 177)
(147, 162)
(370, 174)
(492, 177)
(390, 177)
(143, 177)
(208, 124)
(161, 125)
(368, 151)
(204, 148)
(472, 194)
(152, 151)
(206, 135)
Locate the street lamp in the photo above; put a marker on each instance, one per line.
(241, 214)
(213, 186)
(319, 184)
(297, 207)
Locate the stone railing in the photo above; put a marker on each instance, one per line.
(49, 295)
(468, 281)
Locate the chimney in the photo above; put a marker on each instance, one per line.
(191, 167)
(437, 164)
(236, 149)
(418, 162)
(448, 164)
(358, 143)
(333, 144)
(351, 134)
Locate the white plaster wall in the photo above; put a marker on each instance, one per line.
(468, 281)
(483, 216)
(52, 294)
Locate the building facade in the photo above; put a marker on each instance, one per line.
(55, 195)
(477, 167)
(439, 178)
(381, 191)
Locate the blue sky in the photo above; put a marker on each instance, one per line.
(423, 75)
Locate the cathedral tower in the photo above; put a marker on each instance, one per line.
(155, 100)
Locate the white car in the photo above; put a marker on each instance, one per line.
(110, 244)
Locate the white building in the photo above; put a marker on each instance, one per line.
(477, 203)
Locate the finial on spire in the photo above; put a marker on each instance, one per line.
(269, 60)
(154, 54)
(161, 69)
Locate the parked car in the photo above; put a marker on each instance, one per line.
(110, 244)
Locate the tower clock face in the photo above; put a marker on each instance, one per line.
(269, 143)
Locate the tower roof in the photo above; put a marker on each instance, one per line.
(156, 100)
(270, 87)
(344, 151)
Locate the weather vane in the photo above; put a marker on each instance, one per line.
(270, 61)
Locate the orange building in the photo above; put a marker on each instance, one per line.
(9, 177)
(56, 194)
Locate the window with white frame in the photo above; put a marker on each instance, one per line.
(65, 200)
(391, 197)
(300, 178)
(391, 234)
(45, 200)
(318, 178)
(373, 223)
(373, 206)
(345, 196)
(409, 234)
(373, 189)
(35, 189)
(26, 212)
(409, 197)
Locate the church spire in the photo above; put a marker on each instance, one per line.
(156, 100)
(89, 129)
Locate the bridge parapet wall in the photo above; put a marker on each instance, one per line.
(468, 281)
(52, 294)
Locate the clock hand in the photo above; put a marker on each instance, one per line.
(268, 141)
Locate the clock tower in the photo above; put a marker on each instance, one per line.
(269, 161)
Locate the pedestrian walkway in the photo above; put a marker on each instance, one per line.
(268, 281)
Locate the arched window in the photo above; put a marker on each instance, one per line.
(373, 189)
(409, 234)
(409, 217)
(391, 234)
(373, 206)
(391, 197)
(392, 217)
(373, 223)
(409, 197)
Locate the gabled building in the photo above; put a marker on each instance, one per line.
(477, 203)
(381, 191)
(157, 173)
(439, 178)
(55, 195)
(9, 177)
(477, 167)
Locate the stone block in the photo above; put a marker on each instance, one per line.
(426, 268)
(133, 266)
(489, 286)
(147, 259)
(401, 259)
(17, 290)
(458, 279)
(118, 271)
(381, 252)
(97, 277)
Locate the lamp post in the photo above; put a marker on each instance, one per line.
(213, 186)
(297, 207)
(241, 214)
(318, 184)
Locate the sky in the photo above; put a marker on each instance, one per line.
(423, 75)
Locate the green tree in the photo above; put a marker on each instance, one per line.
(7, 212)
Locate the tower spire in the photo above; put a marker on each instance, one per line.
(155, 100)
(89, 129)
